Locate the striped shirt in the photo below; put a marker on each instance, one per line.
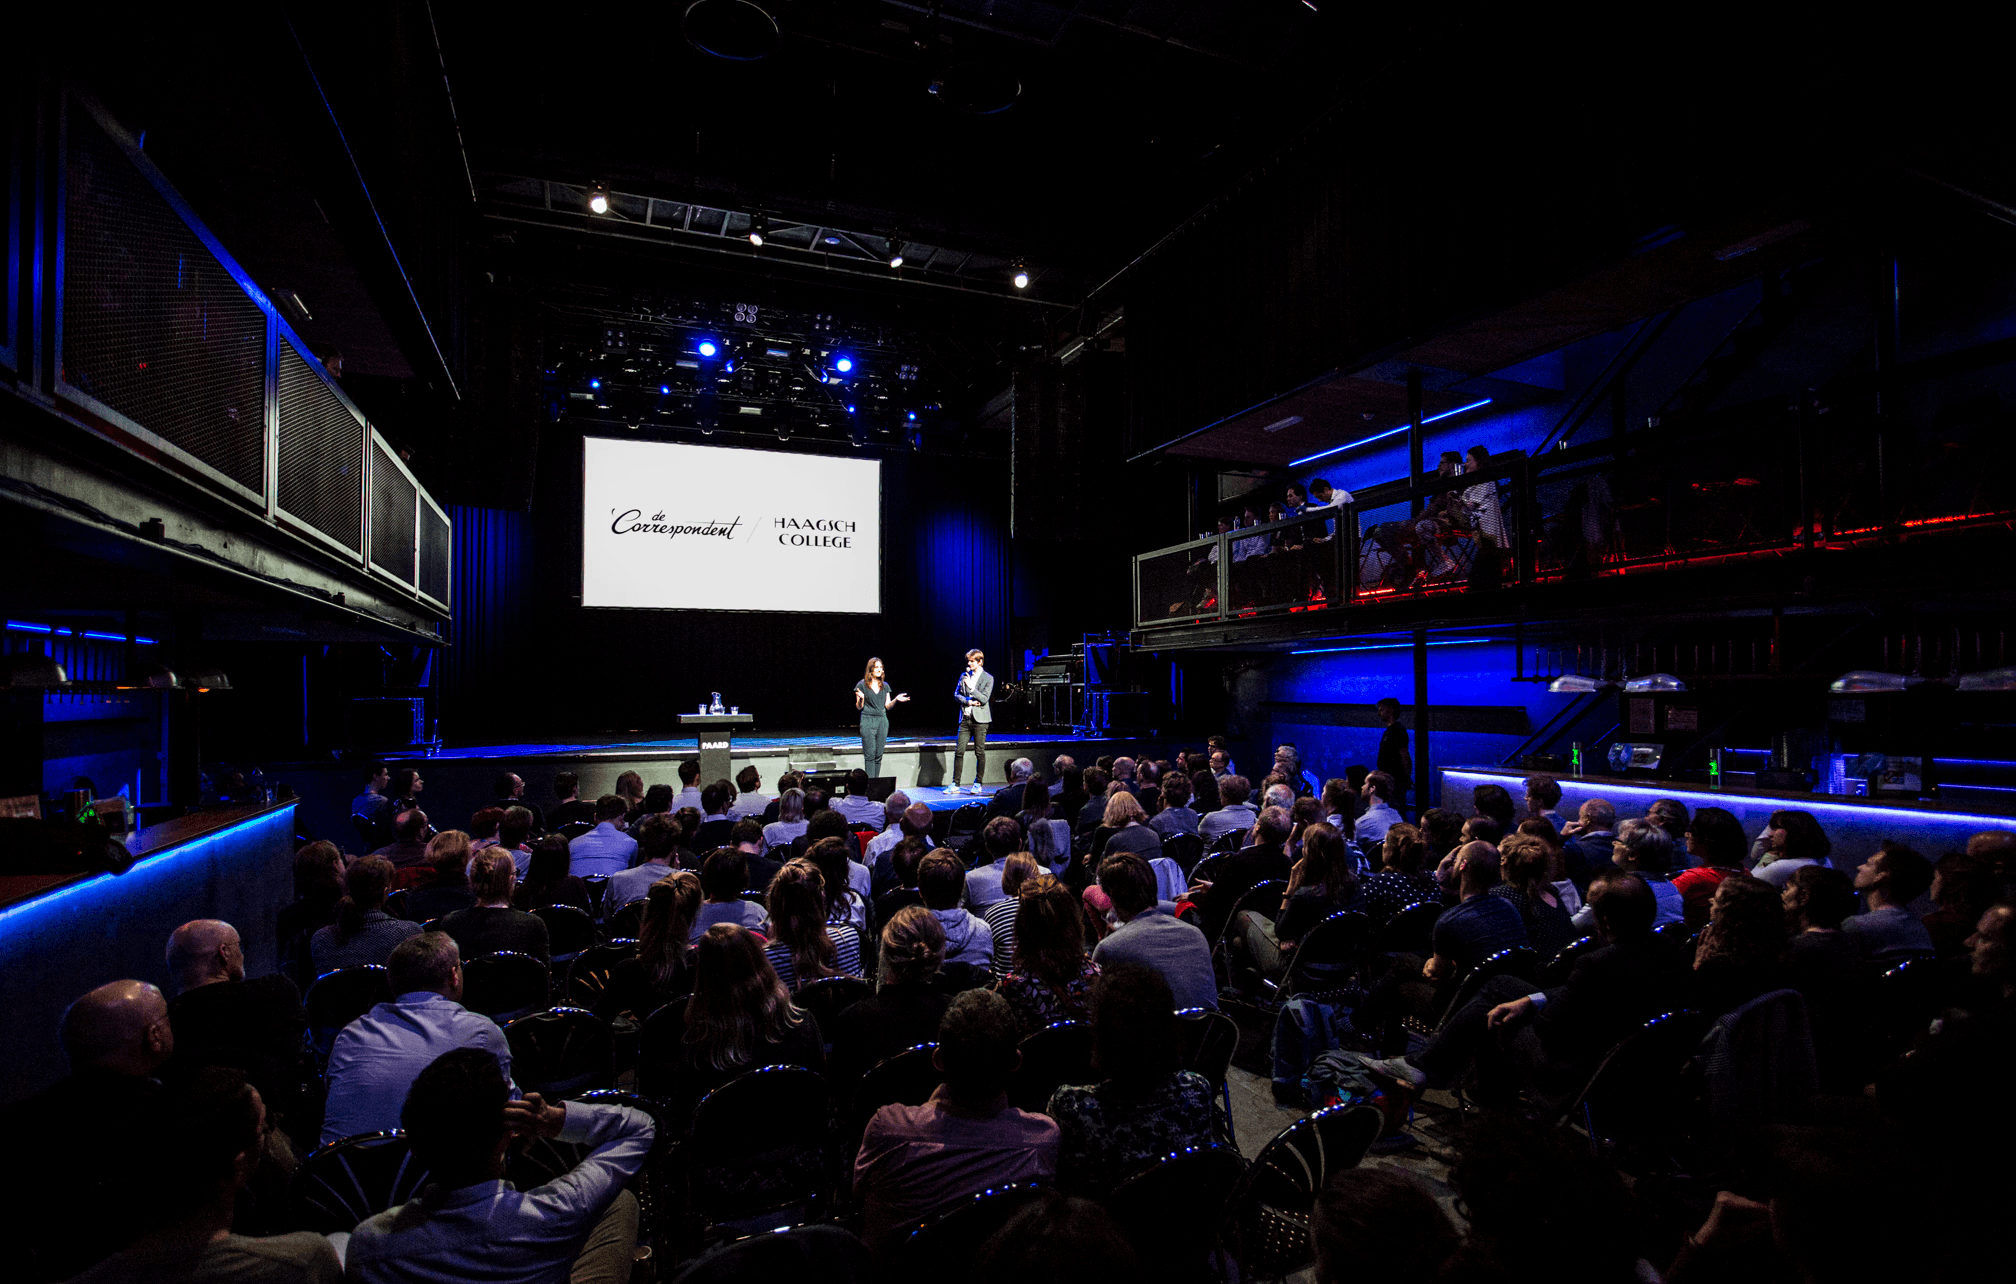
(1000, 918)
(846, 955)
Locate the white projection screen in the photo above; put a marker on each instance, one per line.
(674, 527)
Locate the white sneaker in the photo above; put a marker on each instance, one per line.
(1398, 1068)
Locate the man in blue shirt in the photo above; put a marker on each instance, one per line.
(372, 804)
(1889, 881)
(1379, 815)
(1151, 936)
(377, 1056)
(605, 849)
(1235, 816)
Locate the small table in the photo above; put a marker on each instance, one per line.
(717, 741)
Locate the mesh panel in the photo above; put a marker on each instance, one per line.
(321, 460)
(433, 555)
(391, 516)
(153, 326)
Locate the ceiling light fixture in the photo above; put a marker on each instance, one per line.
(1021, 277)
(895, 251)
(598, 199)
(759, 227)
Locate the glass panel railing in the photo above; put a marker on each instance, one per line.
(1285, 564)
(1177, 585)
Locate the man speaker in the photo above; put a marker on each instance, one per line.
(974, 694)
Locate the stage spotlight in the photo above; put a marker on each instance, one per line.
(707, 348)
(895, 252)
(594, 383)
(598, 199)
(843, 363)
(850, 410)
(664, 389)
(911, 416)
(759, 227)
(1021, 277)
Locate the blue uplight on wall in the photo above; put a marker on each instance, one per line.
(1391, 432)
(843, 363)
(707, 348)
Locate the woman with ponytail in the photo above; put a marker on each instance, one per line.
(663, 967)
(363, 932)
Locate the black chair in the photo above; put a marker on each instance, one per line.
(1903, 1001)
(573, 829)
(597, 887)
(561, 1052)
(1557, 968)
(956, 1234)
(957, 978)
(1268, 1225)
(966, 823)
(1676, 936)
(1171, 1211)
(815, 1252)
(1518, 961)
(659, 1044)
(368, 834)
(347, 1181)
(1059, 1053)
(1205, 870)
(588, 973)
(505, 985)
(569, 930)
(395, 904)
(1231, 842)
(756, 1148)
(337, 998)
(828, 997)
(1327, 960)
(1209, 1039)
(1185, 849)
(539, 1160)
(1409, 931)
(906, 1079)
(627, 921)
(1629, 1098)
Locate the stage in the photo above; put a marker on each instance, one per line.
(458, 779)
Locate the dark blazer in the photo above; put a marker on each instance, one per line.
(1586, 855)
(1235, 875)
(1611, 991)
(1007, 800)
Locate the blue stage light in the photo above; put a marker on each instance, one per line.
(707, 348)
(850, 410)
(665, 389)
(911, 416)
(594, 383)
(843, 363)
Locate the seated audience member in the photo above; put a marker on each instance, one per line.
(689, 785)
(1049, 839)
(1059, 1239)
(1670, 814)
(1048, 974)
(724, 877)
(1564, 887)
(1963, 887)
(318, 886)
(913, 820)
(483, 825)
(373, 804)
(1091, 812)
(1543, 798)
(547, 880)
(1175, 817)
(657, 847)
(376, 1057)
(1527, 867)
(1153, 937)
(788, 781)
(1791, 839)
(1889, 881)
(1340, 805)
(855, 806)
(509, 789)
(1494, 803)
(1715, 845)
(197, 1154)
(1235, 813)
(1552, 1039)
(469, 1223)
(846, 882)
(1069, 794)
(999, 838)
(747, 838)
(443, 887)
(1953, 1086)
(1998, 848)
(409, 845)
(1277, 792)
(221, 1017)
(1144, 1105)
(1539, 1204)
(572, 808)
(790, 823)
(904, 861)
(803, 945)
(662, 968)
(1400, 880)
(1647, 851)
(363, 932)
(1742, 949)
(1321, 884)
(1015, 874)
(906, 1007)
(605, 849)
(750, 800)
(817, 799)
(1204, 793)
(915, 1160)
(1819, 955)
(717, 817)
(1130, 829)
(657, 801)
(1264, 857)
(514, 835)
(1587, 842)
(1379, 813)
(491, 924)
(941, 881)
(118, 1037)
(739, 1018)
(893, 808)
(405, 789)
(1442, 830)
(1379, 1224)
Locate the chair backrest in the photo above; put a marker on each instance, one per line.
(1269, 1215)
(1185, 849)
(1520, 961)
(1264, 896)
(505, 985)
(1677, 936)
(956, 1234)
(1329, 956)
(1209, 1040)
(659, 1043)
(758, 1143)
(569, 929)
(758, 897)
(1059, 1053)
(812, 1252)
(628, 920)
(575, 828)
(1557, 968)
(1171, 1211)
(1757, 1069)
(597, 887)
(957, 978)
(395, 903)
(1904, 1000)
(588, 974)
(829, 996)
(1411, 929)
(906, 1079)
(367, 832)
(561, 1052)
(337, 998)
(1630, 1093)
(347, 1181)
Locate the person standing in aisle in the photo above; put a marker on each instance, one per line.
(1393, 758)
(974, 694)
(872, 700)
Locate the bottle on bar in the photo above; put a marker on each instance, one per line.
(1715, 767)
(1575, 758)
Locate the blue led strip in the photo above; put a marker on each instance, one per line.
(42, 902)
(22, 626)
(1722, 799)
(1391, 432)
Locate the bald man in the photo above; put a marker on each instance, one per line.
(914, 823)
(220, 1018)
(118, 1036)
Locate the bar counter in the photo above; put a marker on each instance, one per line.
(63, 934)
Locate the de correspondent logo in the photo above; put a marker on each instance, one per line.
(791, 532)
